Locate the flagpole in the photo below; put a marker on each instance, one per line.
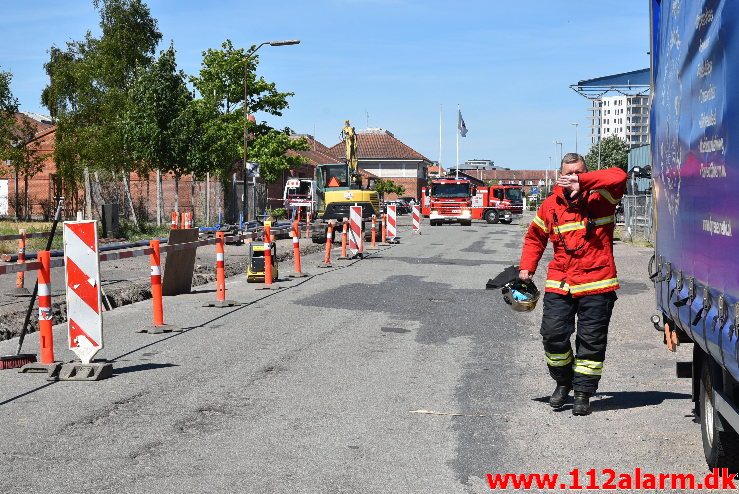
(459, 112)
(441, 112)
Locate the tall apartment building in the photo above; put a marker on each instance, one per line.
(624, 116)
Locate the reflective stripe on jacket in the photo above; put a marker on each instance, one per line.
(581, 233)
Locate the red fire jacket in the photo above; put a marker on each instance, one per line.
(581, 233)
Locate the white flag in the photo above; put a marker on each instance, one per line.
(460, 124)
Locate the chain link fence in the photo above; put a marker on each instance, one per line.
(637, 218)
(208, 200)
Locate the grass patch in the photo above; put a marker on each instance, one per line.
(621, 234)
(128, 232)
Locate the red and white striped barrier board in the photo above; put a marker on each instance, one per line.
(85, 322)
(416, 219)
(391, 222)
(356, 238)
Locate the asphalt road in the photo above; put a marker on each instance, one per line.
(327, 385)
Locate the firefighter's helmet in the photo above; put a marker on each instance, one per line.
(521, 295)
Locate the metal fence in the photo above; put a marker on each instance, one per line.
(637, 218)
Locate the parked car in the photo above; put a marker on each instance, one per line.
(401, 207)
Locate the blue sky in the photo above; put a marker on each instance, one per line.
(508, 64)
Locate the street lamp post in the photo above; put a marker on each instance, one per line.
(558, 143)
(249, 54)
(576, 124)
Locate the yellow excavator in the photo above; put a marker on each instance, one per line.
(339, 186)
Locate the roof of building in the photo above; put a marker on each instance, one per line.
(317, 154)
(380, 144)
(626, 83)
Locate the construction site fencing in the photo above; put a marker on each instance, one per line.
(637, 217)
(205, 197)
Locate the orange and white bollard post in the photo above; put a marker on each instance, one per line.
(329, 244)
(46, 335)
(221, 301)
(175, 220)
(268, 275)
(157, 305)
(20, 289)
(296, 250)
(344, 237)
(384, 230)
(307, 225)
(373, 244)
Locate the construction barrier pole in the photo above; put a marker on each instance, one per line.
(46, 334)
(267, 256)
(156, 283)
(329, 244)
(384, 229)
(221, 301)
(344, 235)
(220, 267)
(307, 225)
(20, 278)
(374, 232)
(175, 220)
(296, 250)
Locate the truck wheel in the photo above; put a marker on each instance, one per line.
(492, 216)
(720, 441)
(506, 222)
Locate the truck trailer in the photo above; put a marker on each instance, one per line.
(695, 268)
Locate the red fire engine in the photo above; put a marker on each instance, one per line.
(448, 200)
(497, 203)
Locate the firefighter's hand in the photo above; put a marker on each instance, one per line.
(525, 275)
(569, 182)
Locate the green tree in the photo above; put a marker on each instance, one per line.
(8, 109)
(88, 92)
(614, 152)
(27, 160)
(220, 147)
(385, 186)
(158, 128)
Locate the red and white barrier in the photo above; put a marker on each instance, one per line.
(85, 322)
(356, 238)
(392, 224)
(175, 220)
(416, 219)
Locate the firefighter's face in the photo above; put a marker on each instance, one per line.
(573, 168)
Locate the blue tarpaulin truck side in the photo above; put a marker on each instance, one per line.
(694, 123)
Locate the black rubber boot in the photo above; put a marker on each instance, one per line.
(559, 397)
(582, 403)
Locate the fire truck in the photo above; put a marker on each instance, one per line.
(497, 203)
(448, 200)
(299, 194)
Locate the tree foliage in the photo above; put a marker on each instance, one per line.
(8, 109)
(89, 84)
(385, 186)
(158, 128)
(221, 85)
(614, 152)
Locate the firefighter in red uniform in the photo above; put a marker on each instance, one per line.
(578, 218)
